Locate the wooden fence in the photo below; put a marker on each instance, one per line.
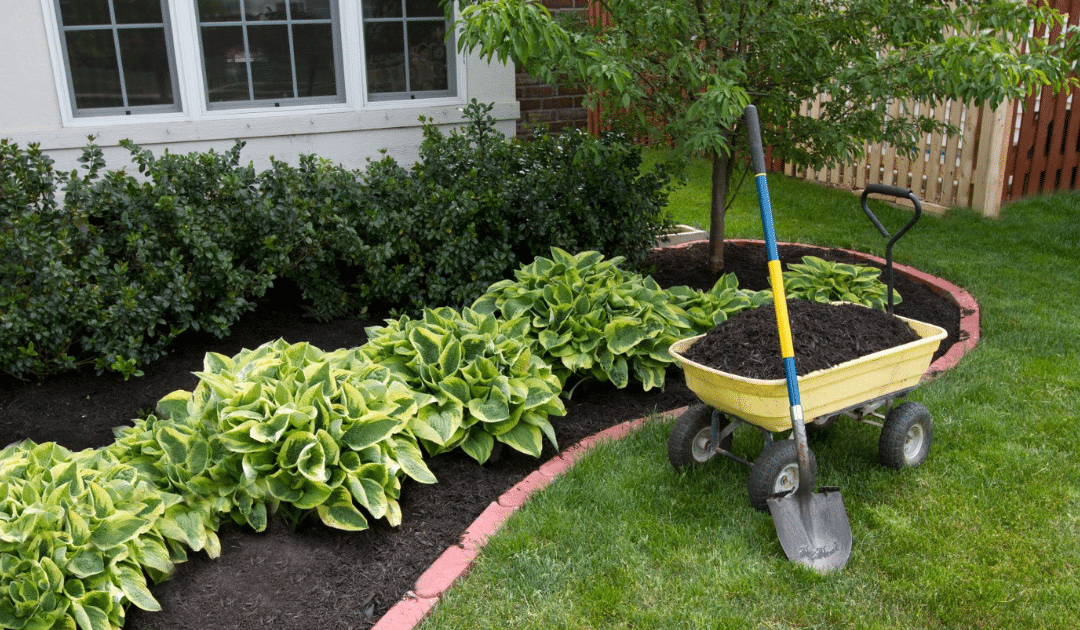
(943, 171)
(1044, 153)
(1020, 149)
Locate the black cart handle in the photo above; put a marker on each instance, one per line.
(892, 191)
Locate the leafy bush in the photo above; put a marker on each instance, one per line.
(124, 266)
(180, 227)
(591, 319)
(309, 226)
(819, 280)
(477, 205)
(581, 193)
(706, 310)
(480, 381)
(77, 532)
(129, 262)
(39, 277)
(283, 425)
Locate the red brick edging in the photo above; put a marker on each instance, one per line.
(457, 559)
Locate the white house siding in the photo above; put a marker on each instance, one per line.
(32, 109)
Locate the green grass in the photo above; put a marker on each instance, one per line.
(985, 534)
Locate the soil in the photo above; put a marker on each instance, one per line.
(823, 335)
(317, 577)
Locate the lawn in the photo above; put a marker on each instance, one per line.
(985, 534)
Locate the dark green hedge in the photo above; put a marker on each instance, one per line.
(111, 271)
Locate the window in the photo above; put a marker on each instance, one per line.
(270, 52)
(407, 53)
(119, 56)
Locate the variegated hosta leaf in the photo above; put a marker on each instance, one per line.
(826, 281)
(476, 376)
(590, 319)
(283, 423)
(78, 534)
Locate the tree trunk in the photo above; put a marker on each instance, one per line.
(721, 176)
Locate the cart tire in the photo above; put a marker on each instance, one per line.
(691, 437)
(906, 436)
(777, 470)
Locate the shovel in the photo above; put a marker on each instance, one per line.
(812, 526)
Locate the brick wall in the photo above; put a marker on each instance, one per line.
(556, 107)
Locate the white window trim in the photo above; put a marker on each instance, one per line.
(184, 25)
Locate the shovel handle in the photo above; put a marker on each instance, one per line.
(776, 277)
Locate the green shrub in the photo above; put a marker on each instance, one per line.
(129, 262)
(38, 243)
(580, 193)
(65, 301)
(819, 280)
(479, 379)
(477, 205)
(590, 319)
(309, 226)
(283, 425)
(125, 265)
(184, 215)
(77, 532)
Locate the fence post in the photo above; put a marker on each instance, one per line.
(995, 137)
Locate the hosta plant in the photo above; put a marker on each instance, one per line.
(819, 280)
(590, 319)
(707, 309)
(78, 533)
(286, 425)
(481, 381)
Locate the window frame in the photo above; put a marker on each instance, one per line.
(410, 94)
(114, 29)
(190, 85)
(336, 28)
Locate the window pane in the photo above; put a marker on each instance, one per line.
(385, 47)
(95, 75)
(84, 12)
(427, 56)
(226, 63)
(219, 10)
(313, 45)
(424, 8)
(271, 68)
(382, 8)
(137, 11)
(264, 10)
(311, 10)
(146, 66)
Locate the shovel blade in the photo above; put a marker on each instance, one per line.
(813, 528)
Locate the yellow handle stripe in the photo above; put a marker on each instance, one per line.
(776, 278)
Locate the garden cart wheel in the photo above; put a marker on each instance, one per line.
(777, 470)
(906, 436)
(691, 440)
(822, 423)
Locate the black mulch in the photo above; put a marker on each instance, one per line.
(318, 577)
(823, 335)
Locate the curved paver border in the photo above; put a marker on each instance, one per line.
(455, 562)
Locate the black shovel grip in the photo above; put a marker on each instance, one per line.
(753, 133)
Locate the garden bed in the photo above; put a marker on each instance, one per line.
(319, 577)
